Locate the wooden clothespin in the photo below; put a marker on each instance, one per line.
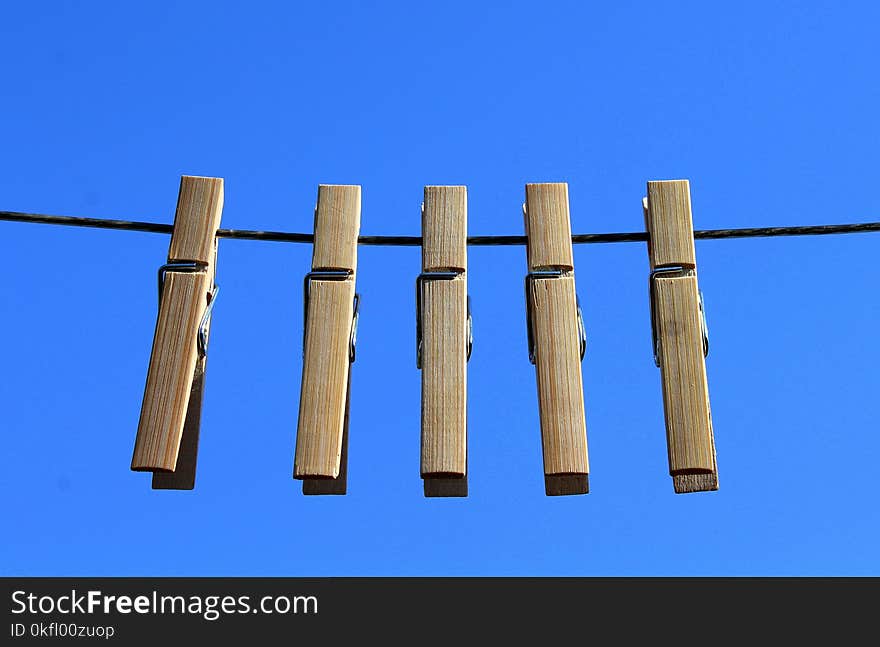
(329, 332)
(443, 340)
(680, 338)
(557, 339)
(168, 433)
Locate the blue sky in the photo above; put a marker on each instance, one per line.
(770, 109)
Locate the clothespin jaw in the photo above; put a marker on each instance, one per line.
(443, 341)
(680, 338)
(557, 339)
(329, 334)
(168, 431)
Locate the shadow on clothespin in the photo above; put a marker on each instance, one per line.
(168, 432)
(330, 306)
(443, 341)
(679, 335)
(556, 337)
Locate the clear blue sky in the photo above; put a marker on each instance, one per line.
(770, 109)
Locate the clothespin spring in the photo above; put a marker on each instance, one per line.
(674, 271)
(192, 267)
(332, 275)
(420, 282)
(582, 331)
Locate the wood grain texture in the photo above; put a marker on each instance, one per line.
(444, 229)
(325, 379)
(184, 475)
(171, 410)
(337, 223)
(670, 224)
(322, 429)
(338, 485)
(199, 207)
(548, 226)
(170, 374)
(444, 377)
(689, 434)
(683, 374)
(685, 483)
(444, 343)
(560, 384)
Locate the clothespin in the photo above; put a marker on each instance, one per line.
(168, 433)
(443, 340)
(329, 333)
(557, 339)
(680, 337)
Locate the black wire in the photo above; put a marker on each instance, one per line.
(400, 241)
(74, 221)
